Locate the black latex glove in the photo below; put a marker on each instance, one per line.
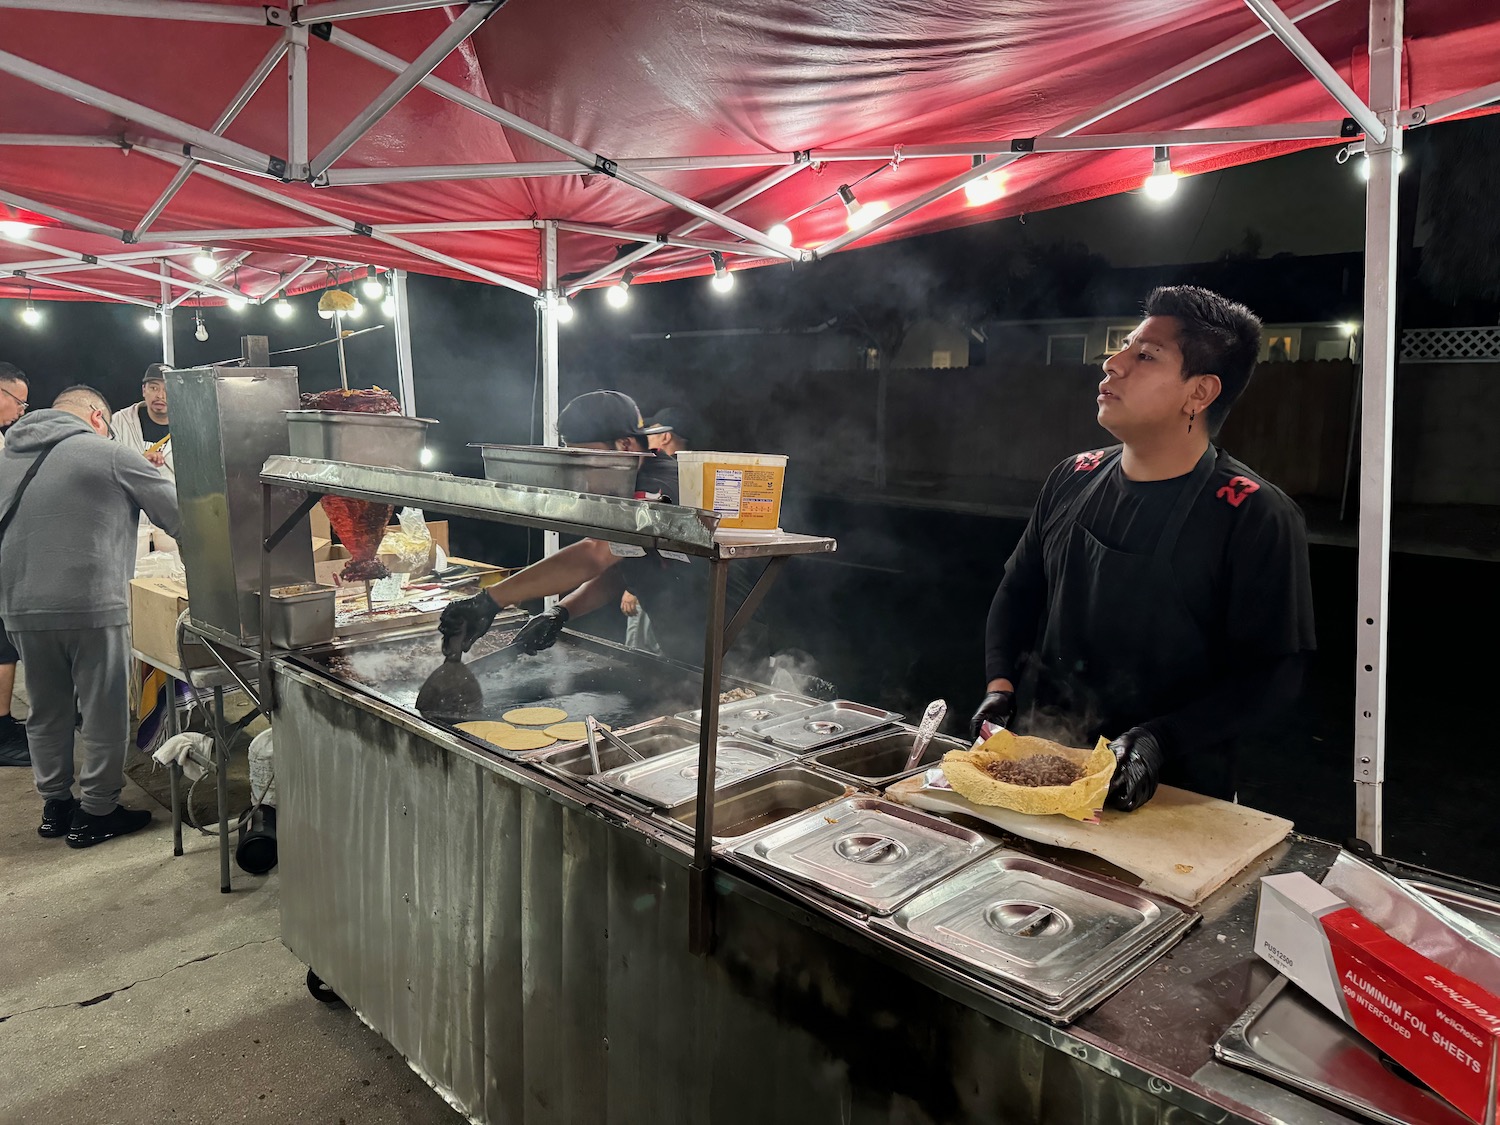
(997, 708)
(464, 622)
(541, 631)
(1138, 762)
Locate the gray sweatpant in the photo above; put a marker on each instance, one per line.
(93, 667)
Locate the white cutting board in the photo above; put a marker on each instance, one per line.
(1179, 844)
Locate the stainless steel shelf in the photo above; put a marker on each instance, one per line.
(641, 523)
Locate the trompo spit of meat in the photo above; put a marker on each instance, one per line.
(359, 524)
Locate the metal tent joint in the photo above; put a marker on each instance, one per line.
(606, 166)
(1023, 144)
(1349, 128)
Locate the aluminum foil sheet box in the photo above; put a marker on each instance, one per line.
(1441, 1027)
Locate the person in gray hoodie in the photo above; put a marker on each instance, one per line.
(65, 565)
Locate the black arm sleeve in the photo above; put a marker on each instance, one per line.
(1236, 704)
(1010, 629)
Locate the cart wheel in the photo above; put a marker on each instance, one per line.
(320, 991)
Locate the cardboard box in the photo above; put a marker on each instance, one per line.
(155, 604)
(1441, 1027)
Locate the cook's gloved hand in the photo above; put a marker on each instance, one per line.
(464, 622)
(997, 709)
(1138, 762)
(541, 631)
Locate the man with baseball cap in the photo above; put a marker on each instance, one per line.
(679, 428)
(588, 572)
(144, 428)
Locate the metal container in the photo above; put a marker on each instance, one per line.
(649, 740)
(605, 472)
(881, 760)
(301, 616)
(822, 726)
(226, 421)
(1041, 929)
(738, 717)
(866, 851)
(670, 779)
(1290, 1038)
(388, 441)
(762, 800)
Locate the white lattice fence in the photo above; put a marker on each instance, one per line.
(1451, 345)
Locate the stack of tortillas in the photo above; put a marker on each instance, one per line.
(528, 728)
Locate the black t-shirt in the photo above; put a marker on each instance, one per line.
(1240, 562)
(152, 432)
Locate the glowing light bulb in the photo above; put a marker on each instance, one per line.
(388, 306)
(237, 303)
(16, 230)
(205, 264)
(985, 190)
(372, 288)
(29, 315)
(564, 310)
(780, 233)
(151, 323)
(723, 282)
(200, 331)
(325, 314)
(1161, 185)
(426, 457)
(617, 296)
(356, 312)
(281, 307)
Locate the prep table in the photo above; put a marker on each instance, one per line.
(518, 931)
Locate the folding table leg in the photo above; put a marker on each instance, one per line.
(174, 771)
(221, 769)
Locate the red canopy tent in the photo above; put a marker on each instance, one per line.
(549, 147)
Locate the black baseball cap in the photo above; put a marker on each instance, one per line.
(156, 373)
(687, 424)
(602, 416)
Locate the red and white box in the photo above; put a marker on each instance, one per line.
(1441, 1027)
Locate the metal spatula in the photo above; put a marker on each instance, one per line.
(452, 691)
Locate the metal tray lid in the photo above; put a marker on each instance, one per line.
(671, 779)
(864, 850)
(1045, 929)
(822, 726)
(742, 714)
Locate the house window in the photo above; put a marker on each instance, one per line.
(1066, 349)
(942, 359)
(1115, 338)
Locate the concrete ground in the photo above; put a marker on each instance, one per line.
(132, 991)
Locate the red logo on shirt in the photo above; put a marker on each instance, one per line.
(1088, 462)
(1236, 490)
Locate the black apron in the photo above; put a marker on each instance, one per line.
(1119, 645)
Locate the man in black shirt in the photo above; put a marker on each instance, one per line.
(1160, 594)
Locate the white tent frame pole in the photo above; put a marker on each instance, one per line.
(1378, 366)
(544, 169)
(230, 234)
(72, 220)
(1309, 56)
(405, 380)
(78, 287)
(47, 266)
(97, 263)
(285, 280)
(251, 187)
(149, 9)
(359, 9)
(587, 159)
(625, 261)
(211, 284)
(168, 342)
(296, 103)
(57, 140)
(416, 72)
(665, 239)
(59, 83)
(1187, 69)
(547, 308)
(240, 100)
(1434, 112)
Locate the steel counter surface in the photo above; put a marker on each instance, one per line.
(1152, 1040)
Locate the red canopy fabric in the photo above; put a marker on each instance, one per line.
(643, 78)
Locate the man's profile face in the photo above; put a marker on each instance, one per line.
(155, 396)
(667, 443)
(12, 402)
(1143, 389)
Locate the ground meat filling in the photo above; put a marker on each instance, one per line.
(1037, 770)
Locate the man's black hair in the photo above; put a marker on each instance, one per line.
(10, 373)
(1219, 337)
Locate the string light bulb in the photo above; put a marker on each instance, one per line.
(205, 264)
(861, 214)
(151, 323)
(238, 303)
(200, 330)
(723, 280)
(562, 309)
(29, 315)
(281, 306)
(617, 296)
(1161, 185)
(356, 311)
(371, 287)
(780, 233)
(388, 306)
(984, 190)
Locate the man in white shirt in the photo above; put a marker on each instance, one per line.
(144, 428)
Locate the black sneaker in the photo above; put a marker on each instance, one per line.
(88, 830)
(14, 749)
(57, 817)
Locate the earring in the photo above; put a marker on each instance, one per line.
(1191, 417)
